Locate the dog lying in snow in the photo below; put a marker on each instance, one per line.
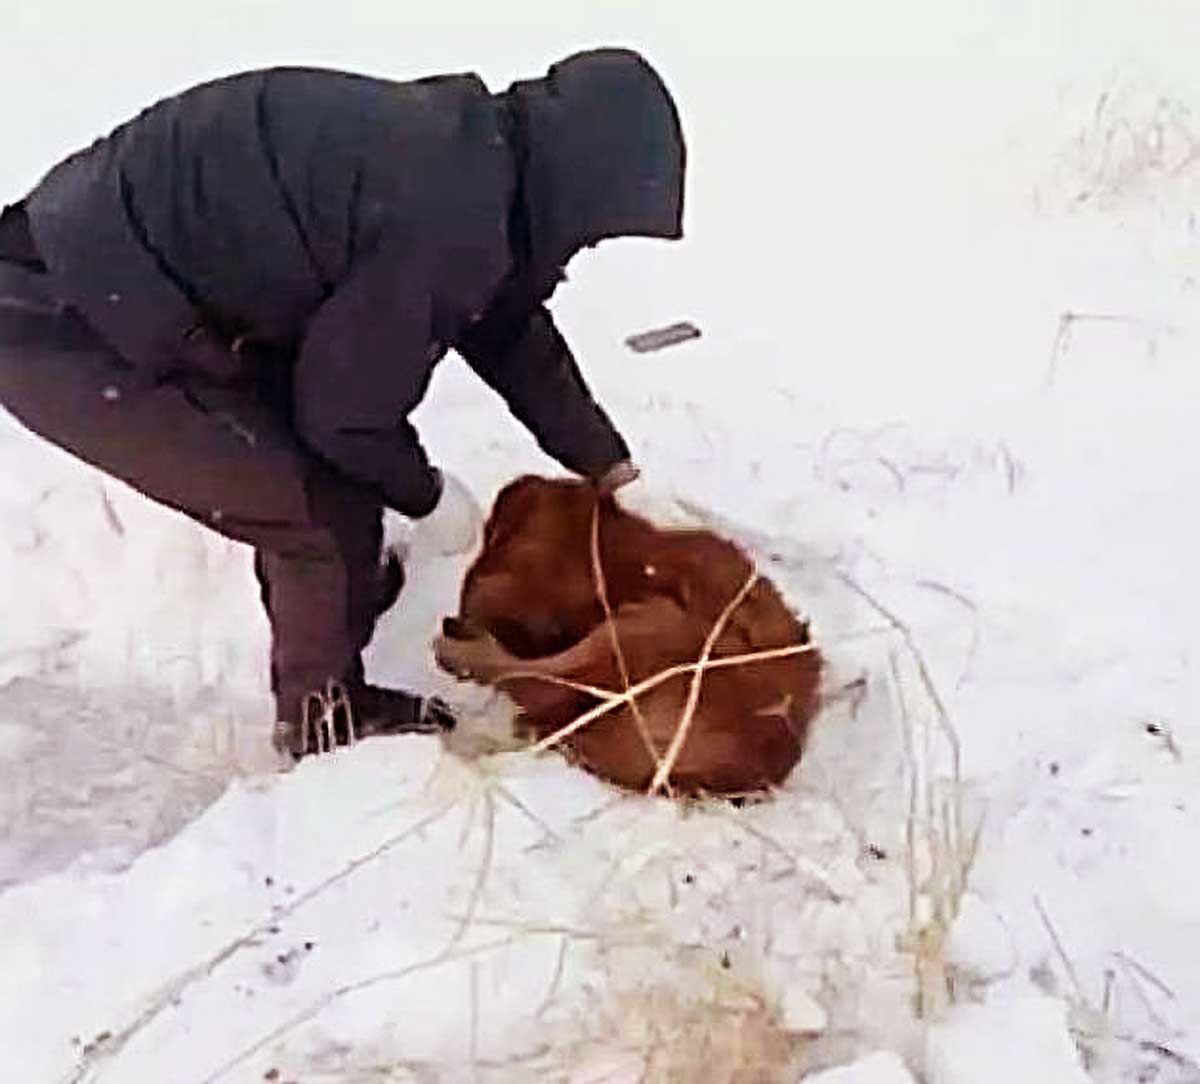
(530, 618)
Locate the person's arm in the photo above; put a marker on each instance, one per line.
(526, 360)
(361, 369)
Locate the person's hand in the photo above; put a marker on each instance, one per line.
(454, 524)
(618, 475)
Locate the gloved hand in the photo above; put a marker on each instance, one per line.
(618, 475)
(454, 524)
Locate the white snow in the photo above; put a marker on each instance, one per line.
(1025, 1039)
(876, 1069)
(945, 263)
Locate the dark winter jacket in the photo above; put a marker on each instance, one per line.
(361, 227)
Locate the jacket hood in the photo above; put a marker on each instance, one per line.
(602, 152)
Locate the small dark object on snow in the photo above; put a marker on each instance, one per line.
(645, 341)
(97, 1043)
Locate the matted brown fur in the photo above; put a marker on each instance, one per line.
(530, 603)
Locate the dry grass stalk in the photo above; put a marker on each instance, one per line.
(927, 682)
(1132, 965)
(601, 584)
(1060, 948)
(689, 710)
(103, 1051)
(612, 700)
(934, 825)
(939, 860)
(444, 957)
(729, 1035)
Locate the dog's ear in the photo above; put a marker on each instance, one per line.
(461, 628)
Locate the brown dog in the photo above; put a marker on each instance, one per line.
(530, 606)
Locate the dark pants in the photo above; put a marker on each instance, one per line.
(223, 454)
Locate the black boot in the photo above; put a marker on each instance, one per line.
(344, 713)
(380, 710)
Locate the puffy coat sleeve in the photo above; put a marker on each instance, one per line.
(362, 367)
(526, 360)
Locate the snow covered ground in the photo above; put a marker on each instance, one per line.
(946, 267)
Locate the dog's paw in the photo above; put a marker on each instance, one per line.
(457, 657)
(469, 651)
